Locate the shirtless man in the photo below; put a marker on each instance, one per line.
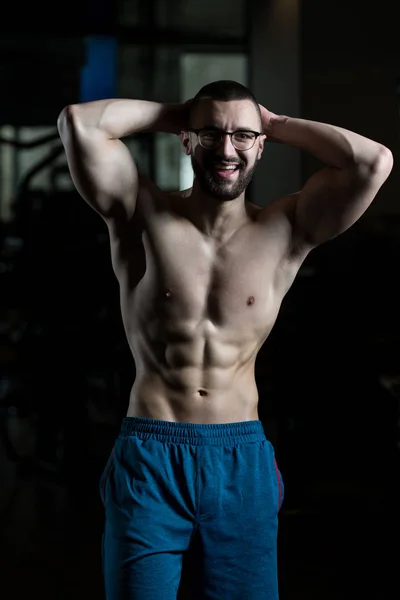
(202, 274)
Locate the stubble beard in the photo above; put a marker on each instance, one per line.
(219, 188)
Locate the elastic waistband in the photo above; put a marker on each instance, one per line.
(221, 434)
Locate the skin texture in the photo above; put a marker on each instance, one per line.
(203, 272)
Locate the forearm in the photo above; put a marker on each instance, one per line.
(118, 118)
(334, 146)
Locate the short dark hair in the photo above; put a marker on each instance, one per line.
(224, 90)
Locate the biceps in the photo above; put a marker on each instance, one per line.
(331, 201)
(103, 172)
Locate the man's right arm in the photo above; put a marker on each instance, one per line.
(101, 166)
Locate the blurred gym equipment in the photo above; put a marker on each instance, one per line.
(58, 292)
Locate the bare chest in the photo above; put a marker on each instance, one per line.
(188, 279)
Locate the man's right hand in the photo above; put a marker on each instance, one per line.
(179, 116)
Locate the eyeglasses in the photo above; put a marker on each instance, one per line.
(212, 138)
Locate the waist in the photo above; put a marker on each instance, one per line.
(152, 397)
(222, 434)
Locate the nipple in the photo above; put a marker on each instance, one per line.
(168, 293)
(250, 301)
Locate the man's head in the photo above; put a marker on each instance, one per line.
(220, 107)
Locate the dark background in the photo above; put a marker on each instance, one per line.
(328, 376)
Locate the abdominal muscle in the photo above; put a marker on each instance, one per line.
(193, 393)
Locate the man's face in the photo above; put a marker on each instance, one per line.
(209, 165)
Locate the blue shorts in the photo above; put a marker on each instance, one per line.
(168, 486)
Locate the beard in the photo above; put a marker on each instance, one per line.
(218, 187)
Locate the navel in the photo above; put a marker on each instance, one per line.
(168, 293)
(250, 301)
(202, 392)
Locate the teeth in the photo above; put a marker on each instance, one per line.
(226, 168)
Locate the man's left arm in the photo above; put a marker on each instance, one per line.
(336, 196)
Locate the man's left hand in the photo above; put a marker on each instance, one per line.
(268, 119)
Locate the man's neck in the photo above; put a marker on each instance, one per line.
(217, 219)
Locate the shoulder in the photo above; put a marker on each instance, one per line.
(151, 198)
(278, 215)
(278, 218)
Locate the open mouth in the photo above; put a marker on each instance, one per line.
(225, 171)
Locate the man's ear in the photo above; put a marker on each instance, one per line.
(261, 141)
(185, 139)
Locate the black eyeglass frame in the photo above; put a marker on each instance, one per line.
(230, 133)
